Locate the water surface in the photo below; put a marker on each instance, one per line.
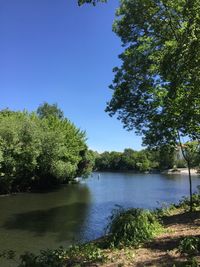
(79, 212)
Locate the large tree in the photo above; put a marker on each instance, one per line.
(156, 89)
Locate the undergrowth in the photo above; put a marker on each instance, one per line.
(78, 255)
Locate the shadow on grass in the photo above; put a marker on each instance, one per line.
(184, 218)
(160, 247)
(163, 261)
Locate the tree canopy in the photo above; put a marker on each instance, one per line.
(45, 110)
(94, 2)
(156, 89)
(138, 161)
(37, 152)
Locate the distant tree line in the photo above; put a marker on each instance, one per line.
(41, 149)
(141, 161)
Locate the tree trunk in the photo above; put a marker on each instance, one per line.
(190, 182)
(187, 159)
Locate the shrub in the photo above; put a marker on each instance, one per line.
(190, 246)
(185, 202)
(87, 253)
(132, 227)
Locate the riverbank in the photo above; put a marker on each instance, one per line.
(182, 171)
(163, 250)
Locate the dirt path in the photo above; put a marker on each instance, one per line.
(163, 250)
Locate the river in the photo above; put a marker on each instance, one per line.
(79, 212)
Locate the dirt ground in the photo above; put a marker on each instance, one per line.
(163, 250)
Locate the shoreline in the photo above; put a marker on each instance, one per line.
(177, 171)
(160, 251)
(163, 249)
(181, 171)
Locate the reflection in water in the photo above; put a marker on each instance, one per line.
(64, 221)
(37, 221)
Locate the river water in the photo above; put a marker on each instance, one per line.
(79, 212)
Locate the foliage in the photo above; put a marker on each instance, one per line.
(140, 161)
(8, 254)
(46, 110)
(86, 253)
(156, 89)
(180, 163)
(87, 163)
(74, 256)
(166, 156)
(132, 227)
(94, 2)
(191, 153)
(37, 152)
(190, 246)
(191, 262)
(185, 202)
(127, 160)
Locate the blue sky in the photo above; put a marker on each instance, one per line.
(58, 52)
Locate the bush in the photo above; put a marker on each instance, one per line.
(190, 246)
(132, 227)
(87, 253)
(185, 202)
(181, 163)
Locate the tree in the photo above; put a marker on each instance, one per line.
(156, 89)
(94, 2)
(38, 152)
(45, 110)
(166, 157)
(129, 160)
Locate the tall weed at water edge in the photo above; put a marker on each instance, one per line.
(132, 227)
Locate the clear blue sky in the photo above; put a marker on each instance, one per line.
(58, 52)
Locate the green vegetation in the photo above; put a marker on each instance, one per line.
(133, 227)
(183, 205)
(190, 246)
(78, 255)
(38, 151)
(185, 202)
(94, 2)
(46, 110)
(145, 160)
(156, 88)
(128, 160)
